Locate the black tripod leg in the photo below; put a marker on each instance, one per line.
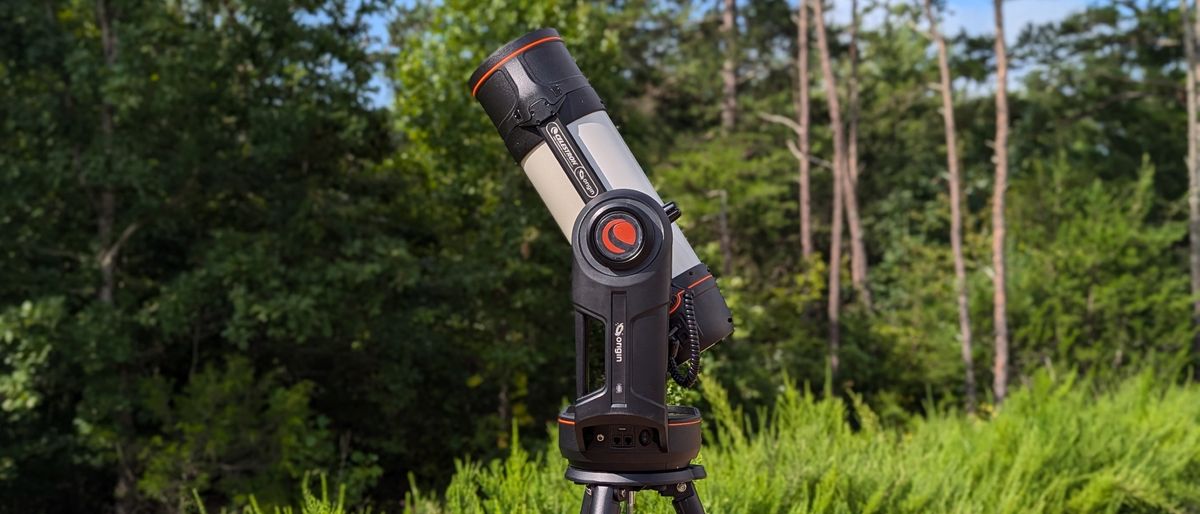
(685, 500)
(600, 499)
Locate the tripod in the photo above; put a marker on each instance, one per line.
(620, 436)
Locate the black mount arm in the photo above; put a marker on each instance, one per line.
(621, 291)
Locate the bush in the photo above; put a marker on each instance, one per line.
(1059, 445)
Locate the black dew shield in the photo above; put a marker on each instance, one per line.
(555, 126)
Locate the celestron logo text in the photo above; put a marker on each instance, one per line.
(577, 169)
(619, 341)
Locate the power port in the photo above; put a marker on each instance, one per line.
(644, 438)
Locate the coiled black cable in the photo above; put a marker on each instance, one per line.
(688, 378)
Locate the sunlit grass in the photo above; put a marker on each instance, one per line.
(1056, 446)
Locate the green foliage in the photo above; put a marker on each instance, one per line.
(1094, 285)
(233, 141)
(1092, 266)
(27, 334)
(1046, 451)
(310, 503)
(230, 432)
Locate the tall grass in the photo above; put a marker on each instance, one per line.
(311, 503)
(1055, 447)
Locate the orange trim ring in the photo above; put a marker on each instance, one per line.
(680, 424)
(509, 58)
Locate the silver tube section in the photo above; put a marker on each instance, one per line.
(553, 186)
(616, 167)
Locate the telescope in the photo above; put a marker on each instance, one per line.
(645, 306)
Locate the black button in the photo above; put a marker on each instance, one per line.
(617, 239)
(672, 211)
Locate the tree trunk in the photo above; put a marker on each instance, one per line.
(858, 252)
(1193, 166)
(852, 96)
(104, 229)
(839, 182)
(729, 68)
(106, 215)
(999, 280)
(726, 237)
(835, 278)
(125, 491)
(802, 118)
(960, 273)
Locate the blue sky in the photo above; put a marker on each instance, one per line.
(974, 16)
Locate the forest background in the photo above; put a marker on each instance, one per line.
(228, 265)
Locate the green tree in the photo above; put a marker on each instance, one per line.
(154, 147)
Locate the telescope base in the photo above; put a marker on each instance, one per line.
(604, 492)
